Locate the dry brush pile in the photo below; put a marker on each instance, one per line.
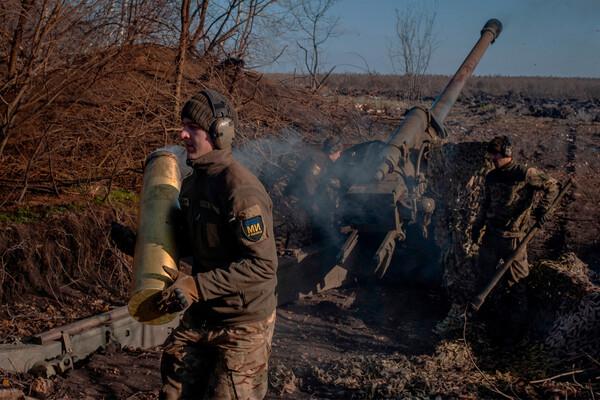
(72, 165)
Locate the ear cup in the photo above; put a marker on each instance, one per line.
(222, 132)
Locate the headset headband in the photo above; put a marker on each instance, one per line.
(216, 107)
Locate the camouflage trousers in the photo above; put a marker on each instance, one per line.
(207, 362)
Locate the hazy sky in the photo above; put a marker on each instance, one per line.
(540, 37)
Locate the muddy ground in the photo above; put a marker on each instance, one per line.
(311, 337)
(372, 340)
(368, 341)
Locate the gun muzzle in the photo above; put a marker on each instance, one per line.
(413, 130)
(493, 26)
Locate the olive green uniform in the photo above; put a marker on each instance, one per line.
(222, 346)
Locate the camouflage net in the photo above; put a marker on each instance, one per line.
(457, 197)
(577, 332)
(564, 292)
(563, 301)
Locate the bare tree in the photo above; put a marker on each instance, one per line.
(75, 76)
(221, 30)
(54, 47)
(413, 44)
(17, 38)
(264, 37)
(224, 28)
(181, 51)
(44, 46)
(316, 28)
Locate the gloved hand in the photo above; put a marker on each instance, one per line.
(180, 294)
(541, 216)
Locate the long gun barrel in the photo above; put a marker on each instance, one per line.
(388, 192)
(442, 105)
(413, 131)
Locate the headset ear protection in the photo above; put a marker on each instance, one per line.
(506, 147)
(222, 129)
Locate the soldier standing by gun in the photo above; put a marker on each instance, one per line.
(315, 184)
(220, 350)
(505, 214)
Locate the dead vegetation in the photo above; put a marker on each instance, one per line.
(59, 268)
(446, 370)
(74, 139)
(458, 361)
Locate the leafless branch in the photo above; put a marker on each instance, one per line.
(413, 44)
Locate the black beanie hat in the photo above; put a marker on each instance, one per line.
(198, 109)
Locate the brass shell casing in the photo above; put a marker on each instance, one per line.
(155, 243)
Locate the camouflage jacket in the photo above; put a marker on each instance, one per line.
(508, 198)
(228, 229)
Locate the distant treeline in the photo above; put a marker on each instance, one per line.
(394, 86)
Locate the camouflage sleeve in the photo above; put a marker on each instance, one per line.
(542, 181)
(252, 224)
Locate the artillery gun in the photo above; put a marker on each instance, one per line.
(387, 200)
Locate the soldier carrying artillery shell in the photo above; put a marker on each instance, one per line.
(221, 348)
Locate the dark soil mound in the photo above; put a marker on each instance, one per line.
(57, 267)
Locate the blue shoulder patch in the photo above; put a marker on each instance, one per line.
(253, 228)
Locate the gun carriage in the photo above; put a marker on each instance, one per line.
(387, 202)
